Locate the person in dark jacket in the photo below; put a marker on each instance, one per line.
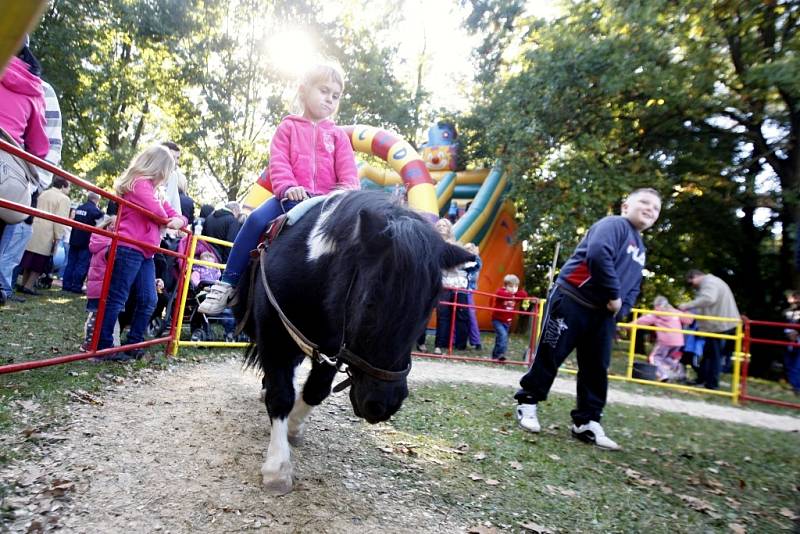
(79, 255)
(223, 224)
(187, 203)
(599, 282)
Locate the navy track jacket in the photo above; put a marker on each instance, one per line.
(607, 264)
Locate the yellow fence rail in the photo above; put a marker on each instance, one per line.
(191, 262)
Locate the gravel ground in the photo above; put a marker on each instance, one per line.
(180, 451)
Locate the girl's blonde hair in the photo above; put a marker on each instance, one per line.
(447, 226)
(155, 163)
(325, 71)
(511, 280)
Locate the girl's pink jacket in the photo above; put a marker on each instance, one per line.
(135, 224)
(318, 157)
(669, 339)
(22, 108)
(98, 246)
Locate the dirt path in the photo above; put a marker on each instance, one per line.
(180, 451)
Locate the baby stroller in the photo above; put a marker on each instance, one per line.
(202, 327)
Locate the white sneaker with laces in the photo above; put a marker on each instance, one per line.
(526, 416)
(217, 297)
(593, 433)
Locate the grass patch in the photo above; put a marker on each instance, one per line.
(675, 474)
(518, 345)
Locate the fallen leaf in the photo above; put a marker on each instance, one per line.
(554, 457)
(700, 505)
(492, 482)
(475, 476)
(785, 512)
(479, 456)
(480, 529)
(535, 528)
(515, 465)
(387, 450)
(736, 528)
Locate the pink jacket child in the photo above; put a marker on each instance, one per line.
(136, 225)
(22, 108)
(98, 247)
(667, 351)
(317, 157)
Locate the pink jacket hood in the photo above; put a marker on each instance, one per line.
(22, 108)
(318, 157)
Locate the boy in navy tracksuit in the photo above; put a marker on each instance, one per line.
(599, 281)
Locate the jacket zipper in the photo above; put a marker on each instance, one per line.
(314, 159)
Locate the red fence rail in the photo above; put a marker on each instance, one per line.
(115, 239)
(749, 341)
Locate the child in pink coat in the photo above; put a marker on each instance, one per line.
(98, 247)
(309, 156)
(666, 353)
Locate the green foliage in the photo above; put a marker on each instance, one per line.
(618, 95)
(111, 63)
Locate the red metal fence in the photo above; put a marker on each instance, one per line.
(115, 239)
(750, 341)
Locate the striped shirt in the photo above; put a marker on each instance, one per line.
(52, 114)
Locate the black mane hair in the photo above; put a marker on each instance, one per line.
(388, 260)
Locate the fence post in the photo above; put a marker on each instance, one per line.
(632, 346)
(737, 364)
(177, 324)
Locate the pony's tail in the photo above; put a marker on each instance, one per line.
(243, 312)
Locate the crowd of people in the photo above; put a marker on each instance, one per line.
(311, 156)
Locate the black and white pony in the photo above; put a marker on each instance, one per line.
(358, 275)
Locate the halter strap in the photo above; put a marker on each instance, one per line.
(311, 349)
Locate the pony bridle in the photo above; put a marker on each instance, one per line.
(311, 349)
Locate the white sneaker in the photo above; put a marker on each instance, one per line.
(593, 433)
(217, 297)
(526, 416)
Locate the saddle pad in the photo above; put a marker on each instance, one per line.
(297, 212)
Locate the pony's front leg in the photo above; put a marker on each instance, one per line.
(315, 390)
(276, 472)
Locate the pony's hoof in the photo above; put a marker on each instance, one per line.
(296, 440)
(277, 484)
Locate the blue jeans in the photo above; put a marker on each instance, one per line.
(500, 338)
(12, 247)
(76, 269)
(444, 316)
(132, 273)
(791, 364)
(249, 236)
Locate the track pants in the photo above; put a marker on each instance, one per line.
(569, 325)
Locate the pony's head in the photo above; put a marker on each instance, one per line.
(385, 278)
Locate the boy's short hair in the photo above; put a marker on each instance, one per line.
(511, 280)
(649, 190)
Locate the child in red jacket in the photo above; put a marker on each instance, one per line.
(505, 302)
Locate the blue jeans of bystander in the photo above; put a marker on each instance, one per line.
(12, 247)
(133, 273)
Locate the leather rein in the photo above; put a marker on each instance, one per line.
(311, 349)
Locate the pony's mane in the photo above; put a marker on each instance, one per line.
(400, 276)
